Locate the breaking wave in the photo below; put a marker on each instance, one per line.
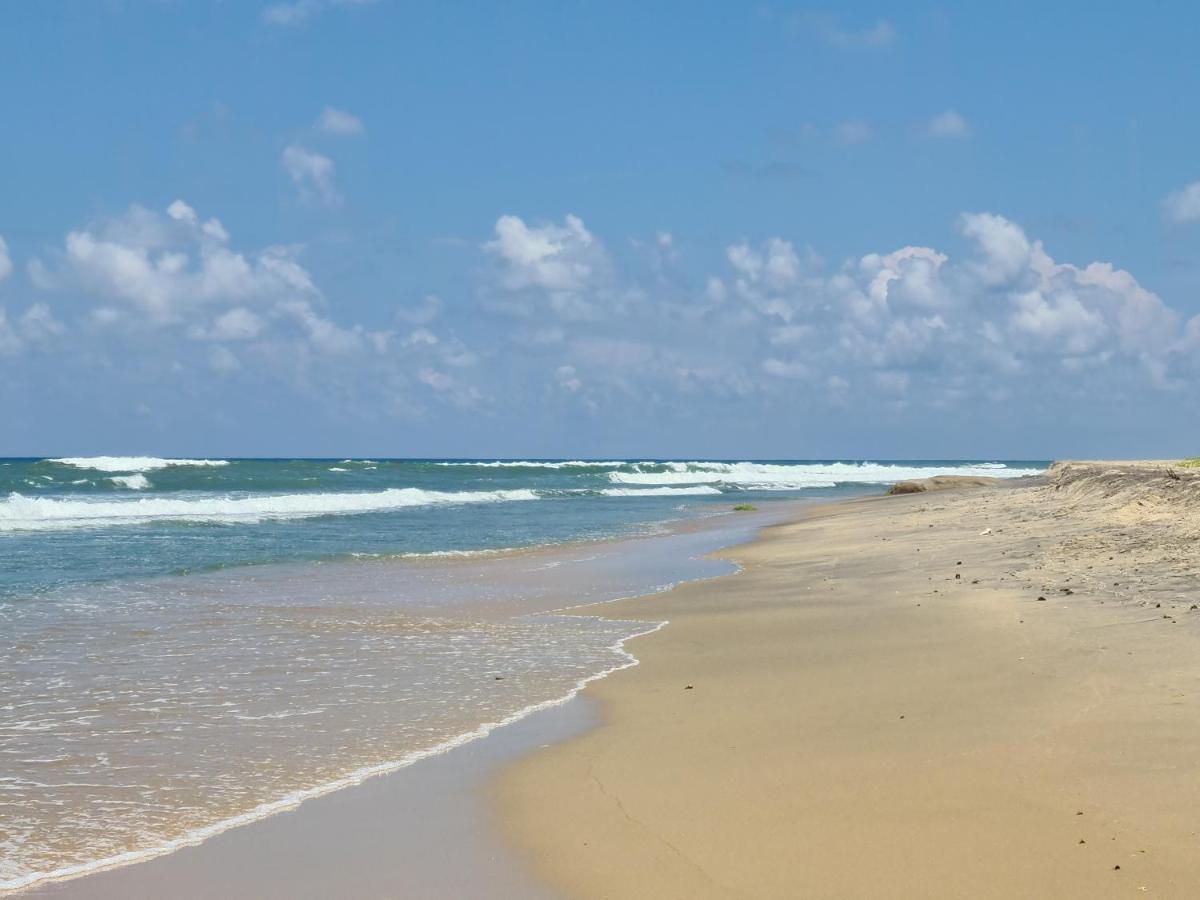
(131, 463)
(798, 476)
(137, 482)
(21, 513)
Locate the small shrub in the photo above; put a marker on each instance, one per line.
(907, 487)
(744, 507)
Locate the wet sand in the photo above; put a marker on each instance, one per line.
(986, 692)
(425, 831)
(420, 831)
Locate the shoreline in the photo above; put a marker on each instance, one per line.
(851, 716)
(386, 835)
(64, 881)
(352, 779)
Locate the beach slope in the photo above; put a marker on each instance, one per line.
(977, 692)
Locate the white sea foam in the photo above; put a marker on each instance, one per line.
(541, 464)
(21, 513)
(138, 482)
(295, 798)
(132, 463)
(439, 554)
(660, 491)
(799, 476)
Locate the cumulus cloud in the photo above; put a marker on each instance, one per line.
(1006, 254)
(5, 260)
(911, 326)
(767, 278)
(563, 263)
(910, 274)
(339, 123)
(948, 125)
(1181, 207)
(551, 257)
(167, 266)
(311, 172)
(768, 327)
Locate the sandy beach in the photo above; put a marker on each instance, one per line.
(983, 692)
(556, 451)
(978, 690)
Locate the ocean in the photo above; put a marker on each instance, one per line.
(188, 644)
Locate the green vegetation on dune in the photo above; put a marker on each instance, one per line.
(1193, 463)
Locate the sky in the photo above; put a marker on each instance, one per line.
(724, 230)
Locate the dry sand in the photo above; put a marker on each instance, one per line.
(881, 704)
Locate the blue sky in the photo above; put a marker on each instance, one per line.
(673, 229)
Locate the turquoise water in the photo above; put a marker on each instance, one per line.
(102, 518)
(187, 645)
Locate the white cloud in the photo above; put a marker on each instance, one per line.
(288, 14)
(853, 131)
(224, 361)
(767, 278)
(167, 267)
(421, 336)
(339, 123)
(311, 172)
(893, 383)
(5, 260)
(906, 275)
(1183, 206)
(773, 331)
(550, 257)
(296, 12)
(563, 266)
(324, 335)
(912, 325)
(568, 379)
(1007, 255)
(831, 31)
(10, 342)
(714, 290)
(238, 324)
(785, 369)
(439, 381)
(421, 313)
(36, 326)
(948, 124)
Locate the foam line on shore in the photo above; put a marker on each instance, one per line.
(358, 776)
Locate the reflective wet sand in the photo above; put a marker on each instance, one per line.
(136, 717)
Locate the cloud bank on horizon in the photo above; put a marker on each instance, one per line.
(772, 327)
(550, 321)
